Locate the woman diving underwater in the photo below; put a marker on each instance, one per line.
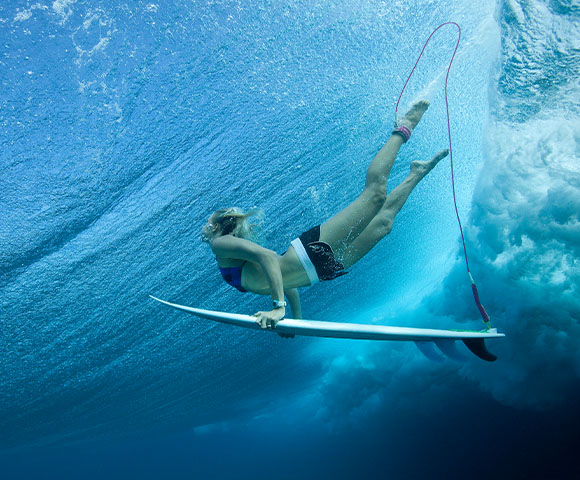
(326, 251)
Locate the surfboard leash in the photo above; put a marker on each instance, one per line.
(484, 315)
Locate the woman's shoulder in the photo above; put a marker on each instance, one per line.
(230, 247)
(225, 254)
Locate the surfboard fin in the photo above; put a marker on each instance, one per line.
(449, 348)
(428, 349)
(478, 348)
(286, 335)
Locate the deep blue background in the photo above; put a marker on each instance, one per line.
(475, 438)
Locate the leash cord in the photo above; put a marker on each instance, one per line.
(482, 311)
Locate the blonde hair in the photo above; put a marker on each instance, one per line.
(234, 221)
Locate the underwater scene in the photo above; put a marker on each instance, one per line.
(125, 124)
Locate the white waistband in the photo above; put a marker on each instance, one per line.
(305, 261)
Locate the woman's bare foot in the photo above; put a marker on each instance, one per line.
(423, 168)
(412, 117)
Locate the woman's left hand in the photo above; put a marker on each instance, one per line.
(271, 318)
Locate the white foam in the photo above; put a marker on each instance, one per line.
(23, 15)
(63, 8)
(26, 14)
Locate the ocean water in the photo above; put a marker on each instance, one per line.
(125, 124)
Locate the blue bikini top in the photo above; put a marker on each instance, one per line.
(233, 276)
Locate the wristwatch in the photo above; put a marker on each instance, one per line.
(279, 304)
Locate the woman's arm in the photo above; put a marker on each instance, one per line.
(294, 300)
(271, 267)
(229, 246)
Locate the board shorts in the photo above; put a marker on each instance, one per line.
(317, 257)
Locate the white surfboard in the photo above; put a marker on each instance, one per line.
(423, 337)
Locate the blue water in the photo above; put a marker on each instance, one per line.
(125, 124)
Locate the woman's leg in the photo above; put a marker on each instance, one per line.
(382, 224)
(349, 223)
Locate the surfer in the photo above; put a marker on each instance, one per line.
(326, 251)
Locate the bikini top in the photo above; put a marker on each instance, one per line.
(233, 276)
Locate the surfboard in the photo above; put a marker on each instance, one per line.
(425, 338)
